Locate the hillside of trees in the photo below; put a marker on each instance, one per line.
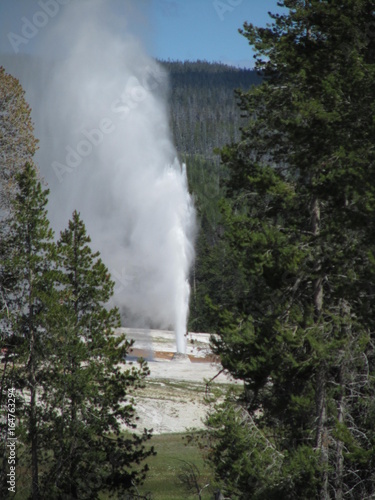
(204, 114)
(204, 118)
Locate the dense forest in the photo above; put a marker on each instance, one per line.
(205, 116)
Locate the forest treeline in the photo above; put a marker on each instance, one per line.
(203, 111)
(204, 117)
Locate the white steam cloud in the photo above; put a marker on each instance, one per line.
(100, 111)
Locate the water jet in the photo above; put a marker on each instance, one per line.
(180, 357)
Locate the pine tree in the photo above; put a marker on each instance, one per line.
(28, 269)
(17, 141)
(300, 222)
(75, 406)
(88, 395)
(17, 146)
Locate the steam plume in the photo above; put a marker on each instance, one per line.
(105, 150)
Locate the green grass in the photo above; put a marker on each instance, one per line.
(162, 479)
(178, 384)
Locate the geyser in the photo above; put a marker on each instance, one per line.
(99, 106)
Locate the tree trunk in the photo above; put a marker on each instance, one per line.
(3, 387)
(322, 438)
(34, 445)
(318, 282)
(72, 455)
(33, 429)
(341, 410)
(339, 466)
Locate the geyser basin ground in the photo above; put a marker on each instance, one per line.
(155, 345)
(173, 399)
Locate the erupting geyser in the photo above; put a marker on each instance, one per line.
(99, 106)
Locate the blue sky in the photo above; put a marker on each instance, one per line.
(207, 29)
(170, 29)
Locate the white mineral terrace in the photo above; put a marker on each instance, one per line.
(159, 346)
(174, 397)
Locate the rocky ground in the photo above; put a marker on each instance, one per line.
(174, 397)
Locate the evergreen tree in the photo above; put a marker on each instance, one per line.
(299, 219)
(17, 141)
(75, 408)
(28, 270)
(88, 395)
